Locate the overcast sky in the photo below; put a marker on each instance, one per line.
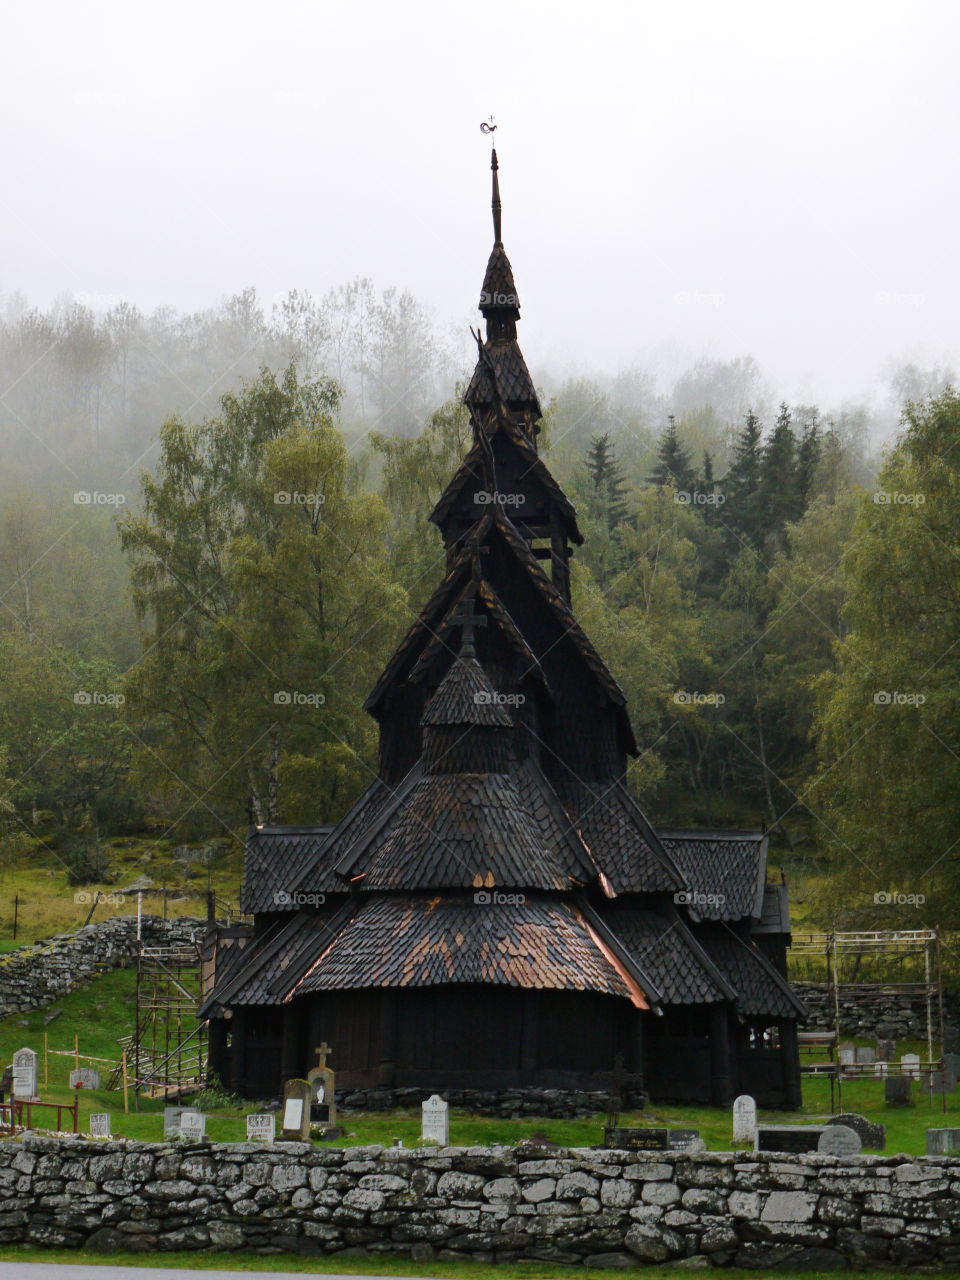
(772, 178)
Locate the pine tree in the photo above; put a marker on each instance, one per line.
(608, 480)
(673, 467)
(808, 456)
(742, 511)
(779, 489)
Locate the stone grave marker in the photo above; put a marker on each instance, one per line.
(262, 1128)
(839, 1140)
(933, 1083)
(744, 1119)
(85, 1077)
(684, 1140)
(323, 1097)
(629, 1139)
(910, 1065)
(951, 1038)
(193, 1125)
(791, 1138)
(25, 1076)
(897, 1090)
(295, 1125)
(886, 1048)
(881, 1070)
(865, 1056)
(100, 1125)
(952, 1063)
(943, 1142)
(435, 1120)
(171, 1121)
(847, 1056)
(870, 1134)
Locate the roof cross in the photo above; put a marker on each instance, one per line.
(468, 621)
(321, 1051)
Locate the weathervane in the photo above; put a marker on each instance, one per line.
(487, 127)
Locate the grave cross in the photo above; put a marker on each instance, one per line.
(321, 1051)
(617, 1081)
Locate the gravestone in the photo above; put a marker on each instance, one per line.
(896, 1090)
(683, 1139)
(839, 1140)
(881, 1070)
(262, 1128)
(910, 1065)
(791, 1138)
(871, 1135)
(100, 1125)
(865, 1056)
(933, 1083)
(847, 1056)
(951, 1038)
(193, 1125)
(323, 1098)
(744, 1119)
(886, 1049)
(942, 1142)
(627, 1139)
(435, 1120)
(295, 1124)
(6, 1083)
(952, 1063)
(171, 1121)
(85, 1078)
(25, 1075)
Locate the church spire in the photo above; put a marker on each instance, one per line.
(495, 203)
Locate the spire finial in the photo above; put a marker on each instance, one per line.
(489, 127)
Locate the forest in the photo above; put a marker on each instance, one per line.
(214, 530)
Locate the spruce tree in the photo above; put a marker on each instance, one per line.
(673, 465)
(608, 480)
(808, 456)
(779, 488)
(742, 512)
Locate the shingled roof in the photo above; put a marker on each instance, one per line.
(666, 949)
(761, 991)
(725, 871)
(274, 861)
(466, 696)
(621, 842)
(498, 289)
(419, 941)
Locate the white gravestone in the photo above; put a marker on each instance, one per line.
(881, 1069)
(262, 1129)
(100, 1125)
(839, 1140)
(24, 1075)
(171, 1121)
(744, 1119)
(435, 1121)
(193, 1125)
(910, 1065)
(85, 1077)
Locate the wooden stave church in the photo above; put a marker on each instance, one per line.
(496, 912)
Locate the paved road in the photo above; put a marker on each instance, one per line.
(85, 1271)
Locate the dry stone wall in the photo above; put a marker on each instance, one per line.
(862, 1012)
(35, 976)
(582, 1206)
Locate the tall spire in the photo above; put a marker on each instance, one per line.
(496, 206)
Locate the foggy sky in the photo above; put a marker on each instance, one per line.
(720, 178)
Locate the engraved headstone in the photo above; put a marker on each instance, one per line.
(886, 1048)
(25, 1075)
(100, 1125)
(171, 1121)
(848, 1055)
(910, 1065)
(85, 1078)
(262, 1128)
(933, 1083)
(193, 1125)
(896, 1090)
(881, 1070)
(942, 1142)
(866, 1056)
(871, 1135)
(951, 1038)
(744, 1119)
(435, 1120)
(792, 1138)
(629, 1139)
(295, 1125)
(952, 1063)
(839, 1140)
(684, 1140)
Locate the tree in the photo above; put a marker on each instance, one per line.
(673, 467)
(609, 484)
(779, 497)
(742, 512)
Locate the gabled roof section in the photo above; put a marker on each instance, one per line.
(501, 375)
(761, 991)
(621, 841)
(775, 916)
(466, 696)
(274, 859)
(423, 941)
(666, 949)
(726, 871)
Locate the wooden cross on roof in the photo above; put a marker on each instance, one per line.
(321, 1053)
(615, 1083)
(464, 615)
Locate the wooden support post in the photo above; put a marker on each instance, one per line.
(387, 1065)
(46, 1064)
(529, 1037)
(123, 1072)
(790, 1056)
(16, 911)
(76, 1051)
(720, 1055)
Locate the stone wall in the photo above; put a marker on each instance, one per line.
(862, 1011)
(34, 976)
(505, 1104)
(584, 1206)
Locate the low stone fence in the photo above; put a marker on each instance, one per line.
(37, 975)
(862, 1012)
(505, 1104)
(592, 1207)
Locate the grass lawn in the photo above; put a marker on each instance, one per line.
(380, 1265)
(103, 1011)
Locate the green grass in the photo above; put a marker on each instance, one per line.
(377, 1265)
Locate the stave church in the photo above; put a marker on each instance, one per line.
(496, 912)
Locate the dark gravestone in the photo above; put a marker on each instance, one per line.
(637, 1139)
(792, 1138)
(871, 1135)
(951, 1062)
(680, 1139)
(886, 1049)
(951, 1039)
(896, 1091)
(942, 1142)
